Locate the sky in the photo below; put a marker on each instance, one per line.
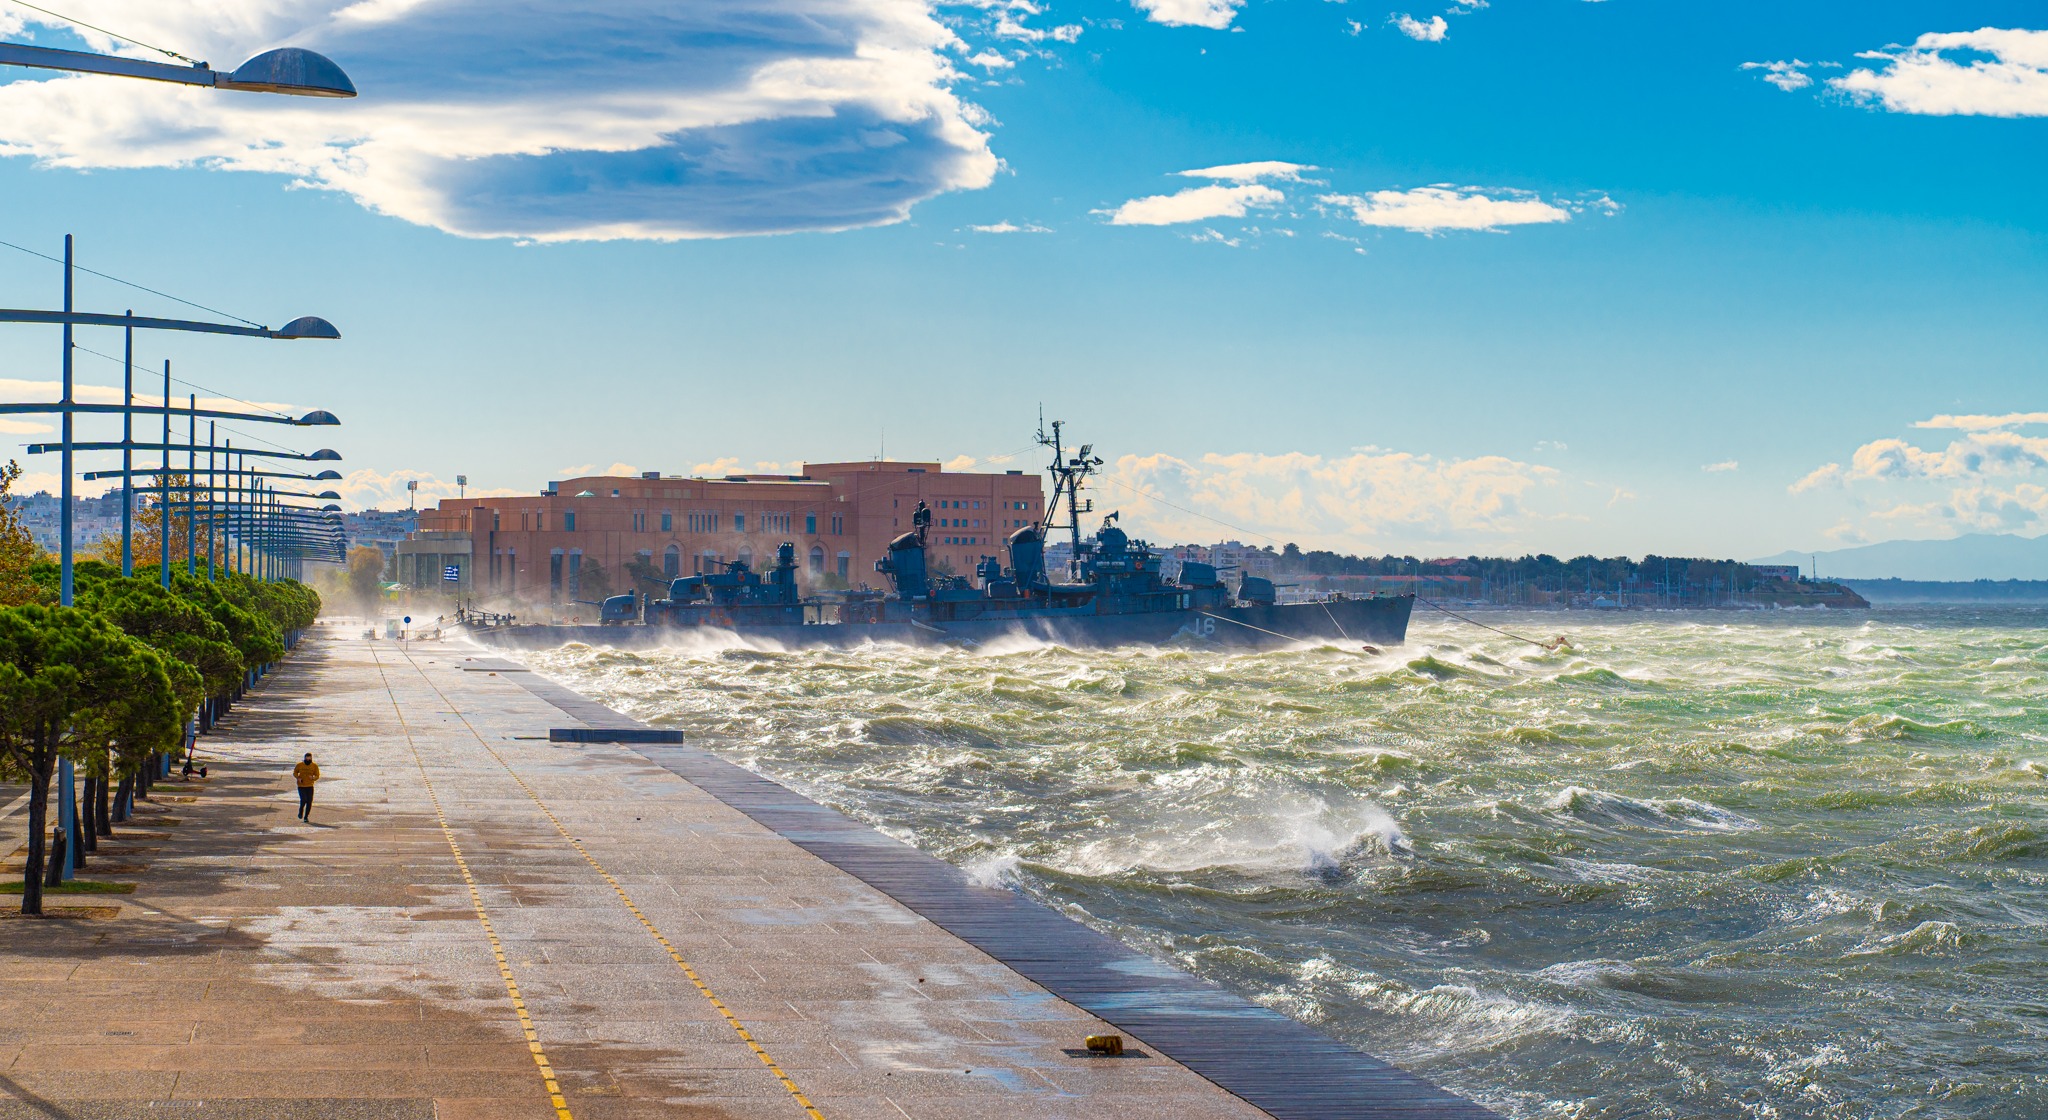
(1568, 276)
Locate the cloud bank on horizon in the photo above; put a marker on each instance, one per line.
(627, 119)
(1988, 479)
(1370, 500)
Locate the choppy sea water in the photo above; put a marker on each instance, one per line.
(1775, 865)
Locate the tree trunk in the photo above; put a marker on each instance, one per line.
(82, 838)
(40, 765)
(124, 801)
(102, 810)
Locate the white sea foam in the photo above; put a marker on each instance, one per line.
(1737, 796)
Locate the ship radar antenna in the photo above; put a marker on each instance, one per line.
(1068, 476)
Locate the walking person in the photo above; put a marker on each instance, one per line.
(306, 773)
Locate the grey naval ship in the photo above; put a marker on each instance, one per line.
(1116, 593)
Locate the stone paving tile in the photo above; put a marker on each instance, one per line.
(271, 968)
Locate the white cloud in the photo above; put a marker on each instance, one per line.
(21, 390)
(1251, 172)
(719, 468)
(1007, 226)
(628, 119)
(1432, 30)
(1979, 423)
(1009, 21)
(1722, 466)
(1196, 204)
(1354, 501)
(1213, 14)
(1787, 76)
(990, 60)
(373, 489)
(1431, 210)
(1925, 79)
(10, 426)
(1982, 480)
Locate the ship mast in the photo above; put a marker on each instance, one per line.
(1067, 478)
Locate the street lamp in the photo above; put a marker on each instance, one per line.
(287, 70)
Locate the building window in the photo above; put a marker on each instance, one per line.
(838, 524)
(671, 561)
(569, 521)
(575, 573)
(845, 563)
(811, 530)
(739, 522)
(555, 575)
(668, 522)
(703, 521)
(747, 555)
(494, 521)
(775, 523)
(817, 559)
(639, 522)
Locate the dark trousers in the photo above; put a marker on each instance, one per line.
(305, 801)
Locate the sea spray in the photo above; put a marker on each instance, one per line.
(1702, 865)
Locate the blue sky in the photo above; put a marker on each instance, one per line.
(1549, 275)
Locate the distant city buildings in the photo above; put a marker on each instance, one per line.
(379, 529)
(91, 518)
(1225, 556)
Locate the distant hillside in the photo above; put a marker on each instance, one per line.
(1885, 591)
(1970, 557)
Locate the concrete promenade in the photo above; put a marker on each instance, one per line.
(480, 924)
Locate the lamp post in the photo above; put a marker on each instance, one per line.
(288, 70)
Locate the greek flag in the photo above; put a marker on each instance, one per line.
(452, 573)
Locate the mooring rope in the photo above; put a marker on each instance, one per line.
(1553, 645)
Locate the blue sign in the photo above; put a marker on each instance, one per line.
(452, 573)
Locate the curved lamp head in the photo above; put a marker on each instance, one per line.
(317, 418)
(328, 496)
(325, 454)
(330, 509)
(327, 476)
(306, 326)
(290, 70)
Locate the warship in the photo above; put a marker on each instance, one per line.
(1117, 592)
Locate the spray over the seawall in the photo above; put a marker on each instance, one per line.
(1786, 865)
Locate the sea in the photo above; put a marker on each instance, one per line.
(1689, 865)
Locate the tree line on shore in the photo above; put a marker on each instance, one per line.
(1532, 577)
(113, 681)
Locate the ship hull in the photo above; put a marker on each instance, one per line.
(1380, 622)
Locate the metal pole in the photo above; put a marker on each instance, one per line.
(191, 473)
(163, 505)
(127, 449)
(67, 816)
(212, 481)
(64, 509)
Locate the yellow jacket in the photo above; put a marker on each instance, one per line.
(306, 773)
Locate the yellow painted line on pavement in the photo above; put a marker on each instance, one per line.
(732, 1020)
(476, 900)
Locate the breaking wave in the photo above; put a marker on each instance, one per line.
(1777, 865)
